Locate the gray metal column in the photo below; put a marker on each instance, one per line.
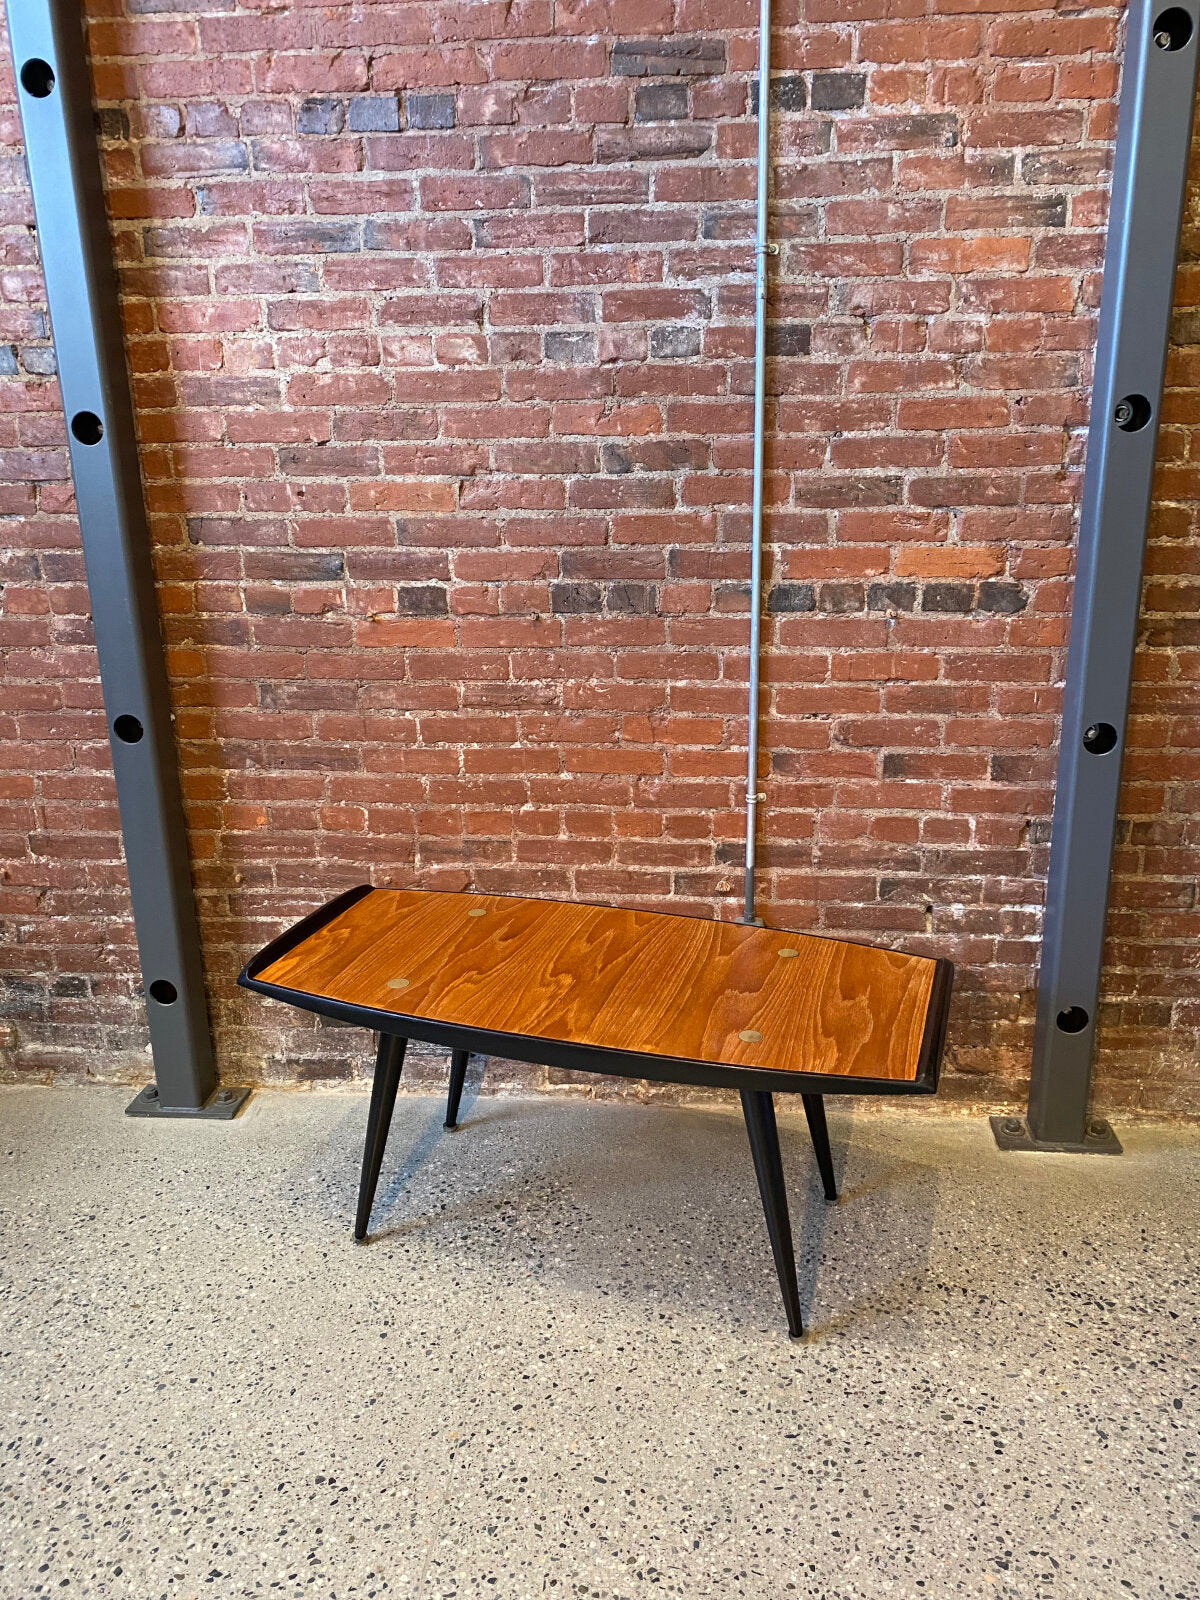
(55, 96)
(1153, 140)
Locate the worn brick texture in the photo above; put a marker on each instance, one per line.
(439, 320)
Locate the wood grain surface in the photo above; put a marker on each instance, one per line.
(625, 980)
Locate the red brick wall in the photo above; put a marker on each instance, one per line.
(439, 319)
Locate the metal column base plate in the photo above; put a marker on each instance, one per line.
(221, 1106)
(1012, 1133)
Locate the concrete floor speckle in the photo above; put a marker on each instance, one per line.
(560, 1367)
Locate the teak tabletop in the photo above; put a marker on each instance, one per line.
(637, 982)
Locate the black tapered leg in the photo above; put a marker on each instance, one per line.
(814, 1110)
(458, 1071)
(388, 1063)
(759, 1110)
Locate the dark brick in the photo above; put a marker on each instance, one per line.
(70, 986)
(570, 349)
(787, 597)
(272, 600)
(891, 596)
(304, 236)
(56, 567)
(377, 234)
(842, 597)
(666, 455)
(948, 597)
(294, 566)
(112, 123)
(660, 102)
(321, 116)
(901, 764)
(653, 142)
(838, 91)
(995, 595)
(789, 339)
(375, 113)
(615, 458)
(668, 58)
(429, 110)
(422, 600)
(723, 225)
(568, 599)
(23, 997)
(674, 344)
(8, 360)
(787, 94)
(633, 599)
(36, 358)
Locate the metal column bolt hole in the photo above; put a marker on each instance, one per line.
(87, 427)
(164, 991)
(128, 729)
(1100, 738)
(1172, 28)
(1132, 413)
(37, 78)
(1073, 1020)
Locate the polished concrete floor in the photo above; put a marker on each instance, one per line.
(560, 1367)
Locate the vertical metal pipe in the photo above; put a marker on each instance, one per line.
(1154, 125)
(761, 252)
(55, 95)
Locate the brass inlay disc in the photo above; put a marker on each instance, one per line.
(477, 912)
(398, 983)
(750, 1036)
(786, 954)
